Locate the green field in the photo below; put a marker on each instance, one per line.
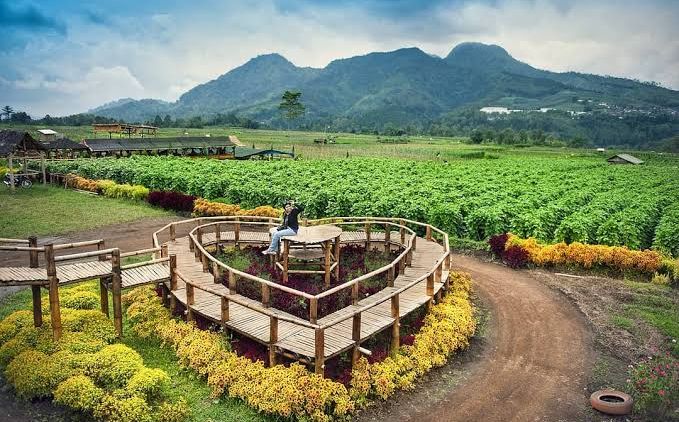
(46, 210)
(553, 198)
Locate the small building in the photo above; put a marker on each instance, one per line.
(21, 146)
(47, 134)
(601, 150)
(65, 148)
(624, 159)
(244, 153)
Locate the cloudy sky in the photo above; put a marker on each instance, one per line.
(64, 57)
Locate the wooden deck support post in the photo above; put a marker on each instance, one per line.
(430, 285)
(55, 312)
(236, 233)
(439, 272)
(225, 311)
(286, 257)
(190, 300)
(354, 293)
(101, 245)
(218, 237)
(387, 238)
(356, 337)
(396, 326)
(273, 339)
(402, 232)
(391, 276)
(367, 236)
(428, 232)
(216, 272)
(337, 258)
(266, 295)
(232, 283)
(205, 261)
(173, 232)
(173, 282)
(10, 164)
(103, 297)
(116, 281)
(163, 250)
(313, 310)
(199, 241)
(327, 263)
(37, 299)
(319, 352)
(414, 242)
(402, 265)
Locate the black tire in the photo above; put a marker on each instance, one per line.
(26, 183)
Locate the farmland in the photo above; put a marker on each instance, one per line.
(551, 197)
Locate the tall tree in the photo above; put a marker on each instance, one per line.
(290, 105)
(7, 111)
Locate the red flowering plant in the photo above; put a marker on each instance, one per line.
(654, 383)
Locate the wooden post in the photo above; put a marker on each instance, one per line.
(356, 337)
(55, 312)
(396, 326)
(232, 283)
(225, 311)
(205, 261)
(190, 300)
(236, 233)
(216, 272)
(266, 295)
(438, 272)
(414, 243)
(37, 300)
(387, 238)
(11, 172)
(173, 232)
(337, 258)
(428, 232)
(390, 276)
(42, 168)
(367, 236)
(402, 265)
(313, 310)
(286, 254)
(116, 281)
(199, 241)
(273, 339)
(402, 232)
(354, 293)
(163, 250)
(319, 343)
(447, 262)
(218, 237)
(430, 285)
(173, 282)
(103, 297)
(328, 263)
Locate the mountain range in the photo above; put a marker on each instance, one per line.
(405, 87)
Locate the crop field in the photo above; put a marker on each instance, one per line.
(552, 198)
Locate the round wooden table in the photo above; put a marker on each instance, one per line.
(311, 243)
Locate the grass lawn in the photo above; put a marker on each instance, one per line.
(184, 383)
(47, 210)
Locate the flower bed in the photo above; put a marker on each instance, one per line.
(518, 252)
(84, 370)
(292, 391)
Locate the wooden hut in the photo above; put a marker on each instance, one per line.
(64, 148)
(21, 145)
(624, 159)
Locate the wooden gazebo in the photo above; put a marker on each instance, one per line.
(21, 145)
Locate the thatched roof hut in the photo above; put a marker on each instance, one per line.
(19, 144)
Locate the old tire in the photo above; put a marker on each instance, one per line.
(611, 402)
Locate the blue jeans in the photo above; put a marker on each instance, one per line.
(276, 238)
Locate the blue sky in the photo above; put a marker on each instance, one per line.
(63, 57)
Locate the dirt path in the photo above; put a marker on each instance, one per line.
(532, 364)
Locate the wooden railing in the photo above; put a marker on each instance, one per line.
(210, 263)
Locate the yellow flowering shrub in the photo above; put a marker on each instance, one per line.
(78, 392)
(589, 256)
(290, 392)
(119, 407)
(148, 383)
(108, 188)
(114, 365)
(204, 208)
(446, 329)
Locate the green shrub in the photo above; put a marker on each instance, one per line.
(80, 300)
(28, 374)
(79, 392)
(149, 383)
(14, 322)
(118, 407)
(11, 349)
(173, 412)
(114, 365)
(80, 343)
(91, 322)
(654, 383)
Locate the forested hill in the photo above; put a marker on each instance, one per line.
(410, 90)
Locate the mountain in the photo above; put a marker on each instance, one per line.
(410, 88)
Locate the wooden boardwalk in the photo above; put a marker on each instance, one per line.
(296, 339)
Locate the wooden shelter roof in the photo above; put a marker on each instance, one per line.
(626, 157)
(18, 143)
(63, 144)
(243, 153)
(143, 144)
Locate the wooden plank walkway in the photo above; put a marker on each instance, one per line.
(293, 338)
